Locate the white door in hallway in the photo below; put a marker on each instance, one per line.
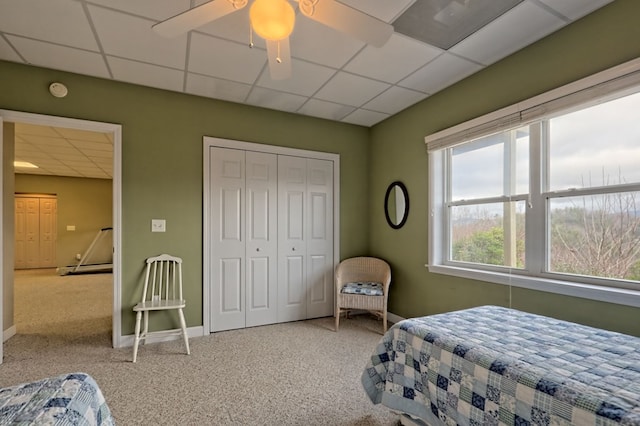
(35, 231)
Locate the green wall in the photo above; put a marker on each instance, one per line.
(162, 162)
(86, 204)
(604, 39)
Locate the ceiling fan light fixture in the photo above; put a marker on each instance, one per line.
(272, 19)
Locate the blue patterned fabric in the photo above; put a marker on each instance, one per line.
(70, 399)
(367, 288)
(497, 366)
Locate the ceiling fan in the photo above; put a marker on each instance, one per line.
(274, 20)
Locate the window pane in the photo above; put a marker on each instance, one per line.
(478, 234)
(597, 146)
(597, 235)
(492, 166)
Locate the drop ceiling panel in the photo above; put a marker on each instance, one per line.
(77, 134)
(273, 99)
(217, 88)
(60, 58)
(575, 9)
(324, 109)
(32, 129)
(158, 10)
(306, 79)
(349, 89)
(320, 44)
(394, 100)
(363, 117)
(57, 21)
(235, 26)
(7, 52)
(225, 59)
(132, 38)
(443, 71)
(96, 153)
(399, 57)
(146, 74)
(384, 10)
(512, 31)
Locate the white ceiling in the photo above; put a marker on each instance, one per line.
(334, 76)
(64, 152)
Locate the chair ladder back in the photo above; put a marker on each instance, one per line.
(165, 275)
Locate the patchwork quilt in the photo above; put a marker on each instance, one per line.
(69, 399)
(497, 366)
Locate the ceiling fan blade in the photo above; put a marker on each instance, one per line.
(348, 20)
(197, 16)
(279, 56)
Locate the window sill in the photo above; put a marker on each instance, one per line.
(619, 296)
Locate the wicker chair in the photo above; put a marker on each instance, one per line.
(362, 272)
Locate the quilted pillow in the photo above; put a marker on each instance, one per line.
(366, 288)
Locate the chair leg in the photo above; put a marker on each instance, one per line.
(337, 318)
(136, 339)
(145, 328)
(384, 321)
(185, 336)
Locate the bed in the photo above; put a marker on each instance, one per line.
(70, 399)
(497, 366)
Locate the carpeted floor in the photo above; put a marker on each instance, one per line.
(299, 373)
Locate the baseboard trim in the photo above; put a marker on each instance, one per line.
(127, 341)
(8, 333)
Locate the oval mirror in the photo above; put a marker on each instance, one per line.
(396, 205)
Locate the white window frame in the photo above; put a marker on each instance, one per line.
(591, 90)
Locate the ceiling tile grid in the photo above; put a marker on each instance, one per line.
(334, 76)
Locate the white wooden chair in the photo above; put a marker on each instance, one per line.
(162, 291)
(362, 283)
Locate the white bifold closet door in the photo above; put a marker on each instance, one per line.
(271, 238)
(244, 238)
(305, 238)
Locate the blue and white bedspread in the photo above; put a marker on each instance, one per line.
(71, 399)
(498, 366)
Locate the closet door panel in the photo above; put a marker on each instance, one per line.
(230, 286)
(48, 208)
(262, 238)
(21, 233)
(227, 183)
(32, 233)
(291, 238)
(319, 219)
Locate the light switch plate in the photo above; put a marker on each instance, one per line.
(158, 225)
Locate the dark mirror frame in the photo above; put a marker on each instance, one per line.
(405, 193)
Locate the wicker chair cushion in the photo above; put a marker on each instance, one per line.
(364, 288)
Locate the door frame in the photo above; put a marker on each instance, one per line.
(209, 142)
(9, 116)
